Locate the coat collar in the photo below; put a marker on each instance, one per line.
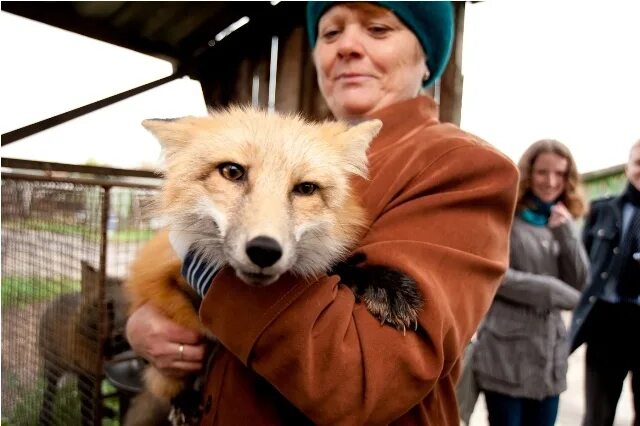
(400, 118)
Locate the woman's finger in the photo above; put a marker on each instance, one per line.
(185, 352)
(174, 332)
(561, 210)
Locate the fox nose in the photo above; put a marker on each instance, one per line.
(263, 251)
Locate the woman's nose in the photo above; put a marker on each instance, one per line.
(349, 44)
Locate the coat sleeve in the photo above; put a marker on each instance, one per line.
(573, 262)
(447, 227)
(542, 292)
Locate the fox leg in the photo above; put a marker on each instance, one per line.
(147, 410)
(162, 386)
(389, 295)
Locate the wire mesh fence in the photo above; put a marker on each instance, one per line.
(66, 246)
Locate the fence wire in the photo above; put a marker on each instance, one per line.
(66, 248)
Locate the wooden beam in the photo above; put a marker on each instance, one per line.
(452, 79)
(45, 124)
(290, 71)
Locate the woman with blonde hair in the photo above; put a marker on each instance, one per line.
(520, 361)
(572, 197)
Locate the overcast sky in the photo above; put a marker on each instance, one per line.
(532, 69)
(568, 70)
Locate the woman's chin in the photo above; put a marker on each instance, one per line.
(355, 107)
(548, 198)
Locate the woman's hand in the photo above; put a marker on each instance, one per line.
(174, 350)
(559, 215)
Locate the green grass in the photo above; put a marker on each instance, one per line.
(134, 235)
(88, 232)
(18, 291)
(111, 403)
(27, 400)
(66, 405)
(55, 227)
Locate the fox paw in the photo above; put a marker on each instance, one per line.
(389, 295)
(396, 305)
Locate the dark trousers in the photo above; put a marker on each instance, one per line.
(505, 410)
(613, 350)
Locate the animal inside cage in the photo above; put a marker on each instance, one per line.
(66, 246)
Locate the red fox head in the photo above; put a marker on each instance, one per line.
(264, 193)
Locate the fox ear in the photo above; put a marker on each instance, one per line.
(173, 133)
(355, 142)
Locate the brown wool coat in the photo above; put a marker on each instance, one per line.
(441, 204)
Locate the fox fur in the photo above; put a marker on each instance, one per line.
(294, 189)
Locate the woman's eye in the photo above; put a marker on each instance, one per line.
(305, 188)
(329, 34)
(379, 30)
(231, 171)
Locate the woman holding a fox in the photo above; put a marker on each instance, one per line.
(439, 205)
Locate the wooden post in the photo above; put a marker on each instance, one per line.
(289, 78)
(451, 81)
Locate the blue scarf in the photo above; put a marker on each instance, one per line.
(536, 212)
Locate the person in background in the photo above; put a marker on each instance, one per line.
(467, 391)
(440, 203)
(607, 318)
(521, 355)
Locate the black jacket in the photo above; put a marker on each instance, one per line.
(601, 237)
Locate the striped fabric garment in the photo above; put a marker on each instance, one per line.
(197, 272)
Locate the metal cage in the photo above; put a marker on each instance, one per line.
(67, 241)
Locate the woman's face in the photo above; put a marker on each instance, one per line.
(549, 176)
(366, 59)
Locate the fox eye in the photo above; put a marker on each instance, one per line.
(231, 171)
(305, 188)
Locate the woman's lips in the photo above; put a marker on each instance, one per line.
(352, 77)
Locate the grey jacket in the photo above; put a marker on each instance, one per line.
(522, 346)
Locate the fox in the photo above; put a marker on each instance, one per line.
(264, 193)
(69, 340)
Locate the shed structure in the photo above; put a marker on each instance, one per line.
(241, 52)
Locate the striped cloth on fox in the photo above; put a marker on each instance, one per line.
(197, 272)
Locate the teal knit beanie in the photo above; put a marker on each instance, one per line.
(430, 21)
